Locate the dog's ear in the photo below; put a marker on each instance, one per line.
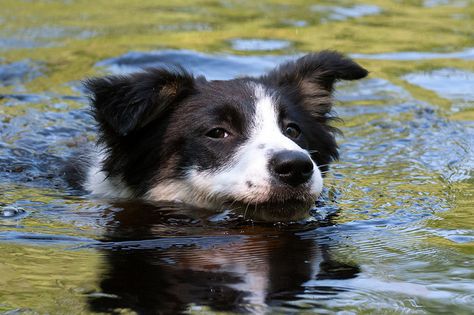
(310, 79)
(125, 103)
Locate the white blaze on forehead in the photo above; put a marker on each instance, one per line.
(266, 127)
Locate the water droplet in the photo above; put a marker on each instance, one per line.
(11, 212)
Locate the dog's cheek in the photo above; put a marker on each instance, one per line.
(171, 167)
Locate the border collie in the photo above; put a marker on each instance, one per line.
(256, 144)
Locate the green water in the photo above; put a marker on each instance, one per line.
(402, 237)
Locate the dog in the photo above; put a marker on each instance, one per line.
(260, 145)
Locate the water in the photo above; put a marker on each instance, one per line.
(394, 233)
(341, 13)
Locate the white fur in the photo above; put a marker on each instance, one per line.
(249, 164)
(97, 182)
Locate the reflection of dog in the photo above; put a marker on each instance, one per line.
(249, 143)
(236, 268)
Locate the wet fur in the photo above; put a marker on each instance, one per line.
(152, 124)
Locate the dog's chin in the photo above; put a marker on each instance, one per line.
(273, 211)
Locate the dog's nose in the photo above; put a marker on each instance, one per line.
(291, 167)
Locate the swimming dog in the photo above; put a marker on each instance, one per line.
(255, 144)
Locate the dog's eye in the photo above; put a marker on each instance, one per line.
(217, 133)
(292, 131)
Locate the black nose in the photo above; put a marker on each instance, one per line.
(291, 167)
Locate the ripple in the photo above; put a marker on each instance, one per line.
(457, 236)
(435, 3)
(28, 98)
(294, 23)
(14, 236)
(378, 285)
(213, 67)
(344, 13)
(255, 44)
(204, 242)
(54, 32)
(466, 54)
(36, 144)
(373, 89)
(19, 72)
(185, 27)
(12, 212)
(447, 82)
(42, 36)
(19, 43)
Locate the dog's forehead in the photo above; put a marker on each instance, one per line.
(237, 90)
(243, 104)
(243, 94)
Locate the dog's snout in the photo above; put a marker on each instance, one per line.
(291, 167)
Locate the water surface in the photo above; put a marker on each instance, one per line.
(393, 233)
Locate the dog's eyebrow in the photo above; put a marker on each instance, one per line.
(231, 112)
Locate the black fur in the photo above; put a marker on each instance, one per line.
(122, 104)
(125, 108)
(152, 124)
(307, 84)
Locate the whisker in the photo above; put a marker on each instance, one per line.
(233, 203)
(323, 165)
(325, 173)
(232, 209)
(246, 208)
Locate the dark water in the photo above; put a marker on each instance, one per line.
(393, 234)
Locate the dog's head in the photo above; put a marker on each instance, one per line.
(257, 144)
